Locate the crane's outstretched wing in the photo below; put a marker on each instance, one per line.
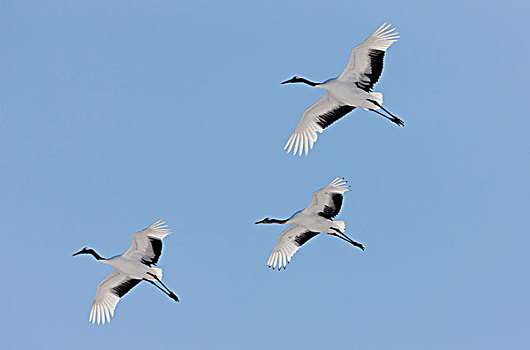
(327, 201)
(146, 245)
(319, 116)
(288, 243)
(110, 290)
(366, 61)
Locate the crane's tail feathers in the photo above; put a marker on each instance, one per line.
(377, 97)
(157, 271)
(340, 225)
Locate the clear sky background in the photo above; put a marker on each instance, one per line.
(115, 114)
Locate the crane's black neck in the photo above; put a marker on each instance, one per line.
(96, 255)
(305, 81)
(91, 252)
(274, 221)
(300, 80)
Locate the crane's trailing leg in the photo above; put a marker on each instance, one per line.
(157, 286)
(169, 293)
(392, 117)
(343, 236)
(349, 240)
(393, 120)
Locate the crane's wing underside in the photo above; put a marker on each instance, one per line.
(288, 243)
(109, 292)
(327, 201)
(366, 60)
(315, 119)
(146, 245)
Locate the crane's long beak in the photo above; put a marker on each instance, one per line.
(287, 81)
(82, 251)
(260, 222)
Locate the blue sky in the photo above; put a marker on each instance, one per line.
(117, 114)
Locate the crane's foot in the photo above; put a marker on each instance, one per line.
(173, 296)
(397, 121)
(358, 245)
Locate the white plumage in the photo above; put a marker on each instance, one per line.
(349, 90)
(288, 243)
(142, 247)
(130, 268)
(106, 297)
(306, 224)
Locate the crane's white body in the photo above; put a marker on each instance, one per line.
(350, 89)
(315, 223)
(346, 93)
(133, 268)
(305, 224)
